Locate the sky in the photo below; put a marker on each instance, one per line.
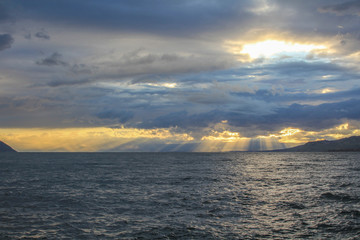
(180, 75)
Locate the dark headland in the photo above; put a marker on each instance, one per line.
(351, 144)
(5, 148)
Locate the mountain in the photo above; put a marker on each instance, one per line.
(351, 144)
(5, 148)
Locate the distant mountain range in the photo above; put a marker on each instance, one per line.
(5, 148)
(351, 144)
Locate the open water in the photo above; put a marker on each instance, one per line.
(180, 196)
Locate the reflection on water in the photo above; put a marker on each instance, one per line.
(180, 195)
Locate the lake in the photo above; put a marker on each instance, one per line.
(180, 195)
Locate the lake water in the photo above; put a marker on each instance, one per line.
(180, 196)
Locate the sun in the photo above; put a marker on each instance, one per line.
(271, 48)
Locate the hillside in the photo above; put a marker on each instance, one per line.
(5, 148)
(343, 145)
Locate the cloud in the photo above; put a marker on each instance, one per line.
(209, 97)
(307, 68)
(67, 82)
(54, 59)
(6, 40)
(308, 97)
(39, 111)
(185, 120)
(160, 16)
(4, 15)
(120, 116)
(42, 35)
(168, 64)
(141, 57)
(141, 61)
(27, 36)
(300, 116)
(134, 58)
(312, 117)
(141, 66)
(351, 7)
(81, 69)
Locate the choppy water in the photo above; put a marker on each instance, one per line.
(180, 196)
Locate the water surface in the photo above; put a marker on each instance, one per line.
(180, 195)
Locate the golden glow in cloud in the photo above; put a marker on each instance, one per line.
(289, 132)
(328, 90)
(298, 136)
(225, 136)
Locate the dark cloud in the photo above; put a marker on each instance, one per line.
(143, 67)
(303, 68)
(286, 97)
(38, 111)
(68, 82)
(27, 36)
(138, 57)
(295, 74)
(306, 117)
(120, 116)
(81, 69)
(317, 117)
(42, 35)
(351, 7)
(215, 97)
(161, 16)
(6, 40)
(54, 59)
(134, 58)
(4, 15)
(185, 120)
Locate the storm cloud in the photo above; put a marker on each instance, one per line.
(351, 7)
(6, 40)
(54, 59)
(189, 66)
(42, 35)
(181, 17)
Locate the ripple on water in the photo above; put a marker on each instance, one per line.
(338, 196)
(180, 196)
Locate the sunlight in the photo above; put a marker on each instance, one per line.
(225, 136)
(344, 126)
(289, 131)
(86, 139)
(212, 144)
(326, 90)
(128, 139)
(273, 47)
(166, 85)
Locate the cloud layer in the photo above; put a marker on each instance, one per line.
(181, 65)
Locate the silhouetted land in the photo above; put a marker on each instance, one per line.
(351, 144)
(5, 148)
